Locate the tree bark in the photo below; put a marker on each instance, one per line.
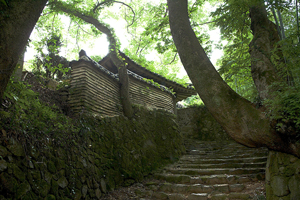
(240, 118)
(17, 20)
(265, 36)
(114, 53)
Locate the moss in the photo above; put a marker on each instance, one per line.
(54, 188)
(22, 190)
(77, 195)
(18, 173)
(8, 183)
(92, 193)
(16, 149)
(3, 165)
(3, 151)
(50, 197)
(51, 167)
(41, 188)
(120, 149)
(60, 164)
(62, 182)
(30, 196)
(78, 183)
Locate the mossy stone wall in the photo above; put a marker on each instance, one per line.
(109, 153)
(198, 123)
(282, 176)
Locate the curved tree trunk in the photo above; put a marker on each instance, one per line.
(17, 20)
(241, 120)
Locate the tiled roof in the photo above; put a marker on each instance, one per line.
(181, 91)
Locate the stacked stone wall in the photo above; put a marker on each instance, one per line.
(282, 176)
(107, 153)
(198, 123)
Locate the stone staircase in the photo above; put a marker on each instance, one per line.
(209, 171)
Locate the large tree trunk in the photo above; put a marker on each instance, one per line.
(242, 120)
(17, 20)
(265, 36)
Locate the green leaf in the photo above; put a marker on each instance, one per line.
(3, 1)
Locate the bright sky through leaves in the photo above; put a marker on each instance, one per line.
(99, 45)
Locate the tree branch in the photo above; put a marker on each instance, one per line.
(173, 59)
(113, 49)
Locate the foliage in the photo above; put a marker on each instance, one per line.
(96, 58)
(151, 35)
(193, 101)
(286, 59)
(55, 66)
(3, 1)
(235, 68)
(284, 108)
(232, 17)
(170, 72)
(23, 112)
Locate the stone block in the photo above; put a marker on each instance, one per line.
(3, 151)
(236, 187)
(16, 149)
(62, 182)
(103, 185)
(160, 195)
(294, 186)
(3, 165)
(279, 186)
(239, 196)
(84, 190)
(23, 188)
(198, 196)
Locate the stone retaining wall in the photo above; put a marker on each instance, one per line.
(108, 152)
(198, 123)
(282, 176)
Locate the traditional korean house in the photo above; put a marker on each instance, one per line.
(95, 87)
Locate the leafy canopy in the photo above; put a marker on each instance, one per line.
(146, 28)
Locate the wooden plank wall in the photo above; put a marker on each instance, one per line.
(96, 91)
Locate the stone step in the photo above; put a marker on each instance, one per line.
(205, 196)
(199, 196)
(209, 180)
(217, 145)
(221, 160)
(221, 165)
(211, 171)
(200, 188)
(230, 149)
(226, 155)
(214, 171)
